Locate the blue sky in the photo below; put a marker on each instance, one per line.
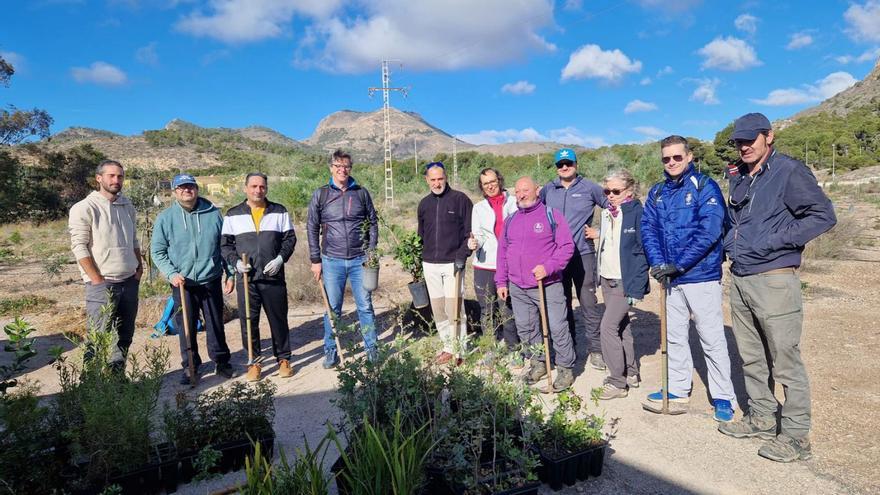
(582, 72)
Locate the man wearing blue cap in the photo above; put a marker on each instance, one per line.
(576, 197)
(775, 207)
(186, 248)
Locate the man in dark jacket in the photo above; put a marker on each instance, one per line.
(186, 248)
(682, 229)
(775, 207)
(262, 230)
(342, 215)
(444, 226)
(576, 197)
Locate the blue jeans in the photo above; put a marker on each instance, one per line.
(334, 272)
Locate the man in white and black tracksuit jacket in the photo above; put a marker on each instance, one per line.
(444, 226)
(263, 230)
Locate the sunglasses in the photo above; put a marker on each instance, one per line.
(564, 163)
(676, 158)
(615, 192)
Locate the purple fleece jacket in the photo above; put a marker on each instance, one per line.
(528, 241)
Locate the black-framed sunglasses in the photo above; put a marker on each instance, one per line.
(676, 158)
(564, 163)
(615, 192)
(737, 204)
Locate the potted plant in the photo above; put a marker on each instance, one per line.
(371, 260)
(408, 252)
(570, 442)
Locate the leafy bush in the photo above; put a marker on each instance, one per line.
(30, 303)
(569, 428)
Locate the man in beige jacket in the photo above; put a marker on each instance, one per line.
(103, 239)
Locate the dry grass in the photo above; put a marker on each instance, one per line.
(301, 285)
(833, 244)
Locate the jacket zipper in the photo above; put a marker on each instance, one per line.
(437, 229)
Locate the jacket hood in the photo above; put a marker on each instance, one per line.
(201, 207)
(98, 198)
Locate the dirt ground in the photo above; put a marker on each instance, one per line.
(649, 453)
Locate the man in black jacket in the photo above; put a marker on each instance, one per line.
(342, 216)
(444, 226)
(262, 230)
(776, 207)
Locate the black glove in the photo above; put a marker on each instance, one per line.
(664, 273)
(458, 266)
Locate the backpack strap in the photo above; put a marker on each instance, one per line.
(550, 220)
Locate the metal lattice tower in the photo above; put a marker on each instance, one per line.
(386, 90)
(454, 164)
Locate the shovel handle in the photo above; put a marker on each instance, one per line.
(186, 335)
(664, 357)
(544, 325)
(247, 310)
(330, 316)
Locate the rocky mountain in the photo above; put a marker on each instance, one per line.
(863, 93)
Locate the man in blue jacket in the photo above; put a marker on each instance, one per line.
(682, 229)
(337, 248)
(576, 197)
(186, 248)
(775, 207)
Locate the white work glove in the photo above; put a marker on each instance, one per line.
(242, 267)
(472, 243)
(273, 266)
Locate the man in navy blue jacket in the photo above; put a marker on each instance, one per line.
(682, 229)
(775, 207)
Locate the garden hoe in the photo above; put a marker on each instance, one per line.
(254, 369)
(456, 317)
(664, 367)
(186, 335)
(544, 325)
(331, 317)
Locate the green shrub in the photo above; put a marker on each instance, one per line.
(30, 303)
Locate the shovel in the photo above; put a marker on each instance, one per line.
(189, 353)
(544, 325)
(247, 311)
(456, 318)
(331, 317)
(664, 366)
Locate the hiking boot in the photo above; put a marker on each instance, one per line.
(537, 371)
(564, 379)
(225, 370)
(330, 359)
(184, 377)
(658, 397)
(750, 426)
(442, 358)
(285, 370)
(723, 410)
(253, 373)
(596, 361)
(609, 392)
(633, 381)
(786, 449)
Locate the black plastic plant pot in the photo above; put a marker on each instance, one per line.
(169, 466)
(527, 489)
(435, 482)
(419, 292)
(336, 470)
(232, 455)
(371, 278)
(143, 480)
(558, 471)
(186, 469)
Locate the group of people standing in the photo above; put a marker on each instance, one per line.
(535, 246)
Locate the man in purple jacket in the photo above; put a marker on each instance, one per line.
(536, 245)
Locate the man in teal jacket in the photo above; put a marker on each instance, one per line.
(186, 248)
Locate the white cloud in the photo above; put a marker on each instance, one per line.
(864, 21)
(518, 88)
(15, 59)
(746, 23)
(799, 40)
(646, 81)
(705, 91)
(590, 61)
(639, 106)
(242, 21)
(665, 71)
(147, 55)
(810, 93)
(428, 35)
(573, 4)
(565, 135)
(730, 54)
(869, 55)
(673, 5)
(650, 131)
(99, 73)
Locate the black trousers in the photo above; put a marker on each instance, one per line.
(206, 299)
(495, 316)
(581, 273)
(271, 297)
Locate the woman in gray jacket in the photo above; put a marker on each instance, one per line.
(487, 225)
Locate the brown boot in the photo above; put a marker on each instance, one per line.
(253, 372)
(285, 370)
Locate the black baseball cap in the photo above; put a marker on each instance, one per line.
(749, 126)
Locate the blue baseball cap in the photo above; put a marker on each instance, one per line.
(182, 179)
(749, 126)
(431, 165)
(565, 154)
